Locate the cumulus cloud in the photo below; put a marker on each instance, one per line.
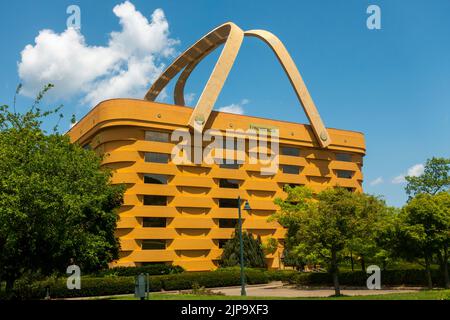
(399, 179)
(377, 181)
(237, 108)
(414, 171)
(123, 68)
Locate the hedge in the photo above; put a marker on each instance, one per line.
(102, 286)
(359, 278)
(281, 275)
(157, 269)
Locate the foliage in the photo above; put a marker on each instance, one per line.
(56, 203)
(425, 227)
(321, 228)
(358, 278)
(101, 286)
(435, 178)
(270, 245)
(253, 252)
(202, 291)
(280, 275)
(156, 269)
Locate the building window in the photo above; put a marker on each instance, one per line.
(153, 244)
(234, 165)
(228, 203)
(228, 223)
(344, 157)
(291, 185)
(344, 174)
(229, 183)
(151, 178)
(157, 136)
(156, 157)
(222, 243)
(155, 200)
(154, 222)
(87, 147)
(290, 151)
(290, 169)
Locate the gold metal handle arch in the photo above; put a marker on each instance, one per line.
(232, 36)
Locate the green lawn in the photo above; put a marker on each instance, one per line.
(421, 295)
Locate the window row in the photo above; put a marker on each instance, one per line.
(150, 200)
(161, 244)
(157, 222)
(160, 136)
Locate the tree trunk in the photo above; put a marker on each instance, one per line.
(445, 268)
(363, 264)
(446, 279)
(334, 272)
(351, 260)
(428, 272)
(9, 287)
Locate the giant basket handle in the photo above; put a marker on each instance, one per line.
(232, 36)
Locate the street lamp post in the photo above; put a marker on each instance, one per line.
(241, 244)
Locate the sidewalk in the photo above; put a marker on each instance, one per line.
(277, 289)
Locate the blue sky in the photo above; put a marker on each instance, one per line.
(391, 84)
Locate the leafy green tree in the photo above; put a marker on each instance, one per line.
(321, 228)
(370, 219)
(297, 202)
(425, 229)
(435, 178)
(56, 202)
(254, 256)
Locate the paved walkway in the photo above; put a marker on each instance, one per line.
(277, 289)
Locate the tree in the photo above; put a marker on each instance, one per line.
(435, 178)
(425, 229)
(322, 228)
(370, 219)
(253, 252)
(56, 202)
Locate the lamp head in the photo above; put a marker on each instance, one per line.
(247, 206)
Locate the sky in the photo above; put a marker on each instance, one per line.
(392, 84)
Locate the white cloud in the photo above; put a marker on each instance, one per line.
(236, 108)
(377, 181)
(399, 179)
(124, 68)
(414, 171)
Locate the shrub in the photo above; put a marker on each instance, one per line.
(223, 278)
(156, 269)
(102, 286)
(89, 287)
(254, 256)
(281, 275)
(359, 278)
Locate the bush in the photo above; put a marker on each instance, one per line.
(281, 275)
(156, 269)
(102, 286)
(253, 255)
(89, 287)
(359, 278)
(222, 278)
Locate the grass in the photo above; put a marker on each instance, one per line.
(420, 295)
